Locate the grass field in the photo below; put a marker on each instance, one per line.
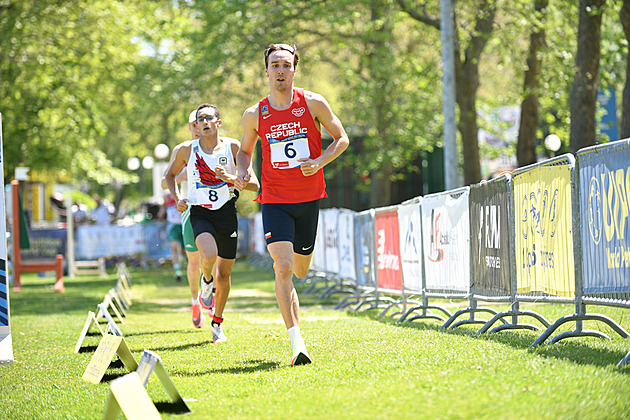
(364, 366)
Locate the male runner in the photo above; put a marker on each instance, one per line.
(211, 172)
(288, 122)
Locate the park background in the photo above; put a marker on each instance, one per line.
(87, 86)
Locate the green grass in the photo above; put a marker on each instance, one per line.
(363, 367)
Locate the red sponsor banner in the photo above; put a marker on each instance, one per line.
(388, 267)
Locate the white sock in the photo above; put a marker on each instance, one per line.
(194, 301)
(297, 342)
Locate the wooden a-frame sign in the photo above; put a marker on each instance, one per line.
(129, 396)
(91, 320)
(116, 299)
(109, 346)
(123, 293)
(151, 362)
(111, 325)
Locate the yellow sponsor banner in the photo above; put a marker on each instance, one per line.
(543, 231)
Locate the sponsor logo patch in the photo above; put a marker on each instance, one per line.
(264, 110)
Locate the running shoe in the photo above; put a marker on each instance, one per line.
(206, 297)
(300, 359)
(198, 317)
(217, 333)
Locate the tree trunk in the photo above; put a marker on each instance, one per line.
(584, 88)
(526, 145)
(467, 82)
(381, 186)
(624, 15)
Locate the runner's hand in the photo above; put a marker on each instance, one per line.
(309, 167)
(182, 205)
(241, 182)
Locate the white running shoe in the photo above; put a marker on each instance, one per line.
(206, 297)
(217, 333)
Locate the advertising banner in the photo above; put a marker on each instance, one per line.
(345, 237)
(328, 220)
(364, 247)
(6, 345)
(319, 254)
(490, 234)
(109, 241)
(605, 211)
(410, 245)
(446, 241)
(388, 267)
(544, 231)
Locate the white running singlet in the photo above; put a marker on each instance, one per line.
(204, 187)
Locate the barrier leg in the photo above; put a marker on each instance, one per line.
(59, 286)
(17, 285)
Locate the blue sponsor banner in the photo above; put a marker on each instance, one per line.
(156, 240)
(45, 244)
(243, 236)
(364, 247)
(605, 211)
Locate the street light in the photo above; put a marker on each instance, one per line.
(553, 142)
(147, 162)
(133, 163)
(161, 151)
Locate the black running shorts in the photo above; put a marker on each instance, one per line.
(293, 222)
(222, 224)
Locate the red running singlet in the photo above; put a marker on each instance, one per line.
(286, 136)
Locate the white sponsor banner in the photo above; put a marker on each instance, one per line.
(258, 235)
(446, 241)
(109, 241)
(410, 245)
(319, 253)
(331, 243)
(345, 235)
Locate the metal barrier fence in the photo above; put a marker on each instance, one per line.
(556, 231)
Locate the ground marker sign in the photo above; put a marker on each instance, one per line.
(91, 320)
(151, 362)
(128, 394)
(114, 297)
(109, 346)
(110, 322)
(6, 346)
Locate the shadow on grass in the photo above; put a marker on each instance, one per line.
(181, 347)
(577, 352)
(246, 367)
(171, 407)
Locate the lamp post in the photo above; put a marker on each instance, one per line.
(161, 152)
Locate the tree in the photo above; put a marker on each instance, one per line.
(586, 81)
(467, 59)
(624, 15)
(526, 146)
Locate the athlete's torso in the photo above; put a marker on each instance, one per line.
(287, 136)
(204, 187)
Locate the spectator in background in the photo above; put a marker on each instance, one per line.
(79, 212)
(101, 214)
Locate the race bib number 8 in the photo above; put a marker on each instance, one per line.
(216, 197)
(285, 153)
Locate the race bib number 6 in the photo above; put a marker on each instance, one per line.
(285, 153)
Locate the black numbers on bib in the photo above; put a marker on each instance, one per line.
(289, 151)
(213, 196)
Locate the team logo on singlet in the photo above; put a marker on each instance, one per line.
(223, 160)
(207, 177)
(298, 112)
(264, 110)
